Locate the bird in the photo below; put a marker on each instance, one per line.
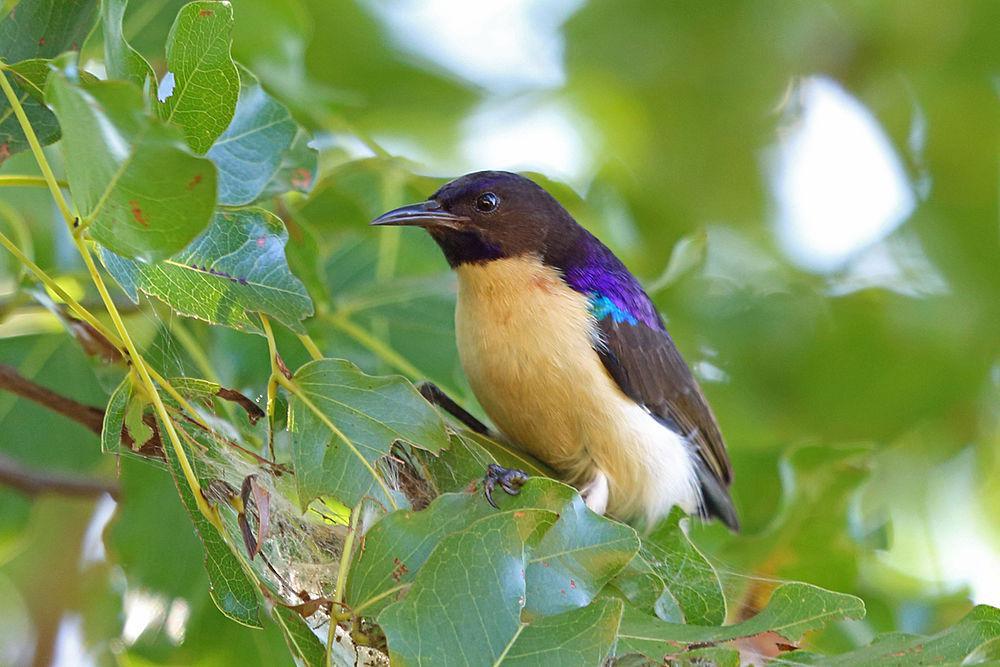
(568, 356)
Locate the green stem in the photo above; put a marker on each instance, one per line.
(19, 181)
(311, 347)
(72, 222)
(36, 147)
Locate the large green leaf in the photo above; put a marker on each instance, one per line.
(465, 604)
(250, 151)
(37, 29)
(584, 636)
(235, 269)
(576, 558)
(344, 422)
(567, 565)
(134, 183)
(691, 579)
(793, 610)
(206, 83)
(120, 60)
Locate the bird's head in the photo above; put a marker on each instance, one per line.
(488, 215)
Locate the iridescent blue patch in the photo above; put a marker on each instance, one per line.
(602, 307)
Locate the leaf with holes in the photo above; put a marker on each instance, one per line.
(343, 424)
(464, 607)
(134, 182)
(234, 270)
(250, 151)
(793, 610)
(37, 30)
(205, 81)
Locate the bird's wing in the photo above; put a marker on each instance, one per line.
(645, 363)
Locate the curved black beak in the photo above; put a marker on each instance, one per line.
(424, 214)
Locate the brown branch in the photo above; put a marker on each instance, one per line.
(14, 382)
(32, 482)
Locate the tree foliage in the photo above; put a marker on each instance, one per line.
(200, 273)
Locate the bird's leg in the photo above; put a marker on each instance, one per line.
(595, 493)
(434, 395)
(510, 480)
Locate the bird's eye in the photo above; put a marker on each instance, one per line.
(487, 202)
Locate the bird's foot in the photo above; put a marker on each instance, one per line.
(595, 493)
(509, 479)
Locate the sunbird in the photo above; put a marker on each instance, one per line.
(568, 356)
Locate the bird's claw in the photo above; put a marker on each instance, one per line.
(510, 480)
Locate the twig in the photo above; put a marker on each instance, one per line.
(14, 382)
(33, 483)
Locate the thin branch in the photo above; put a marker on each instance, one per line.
(32, 482)
(14, 382)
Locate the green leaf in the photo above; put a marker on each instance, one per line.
(232, 590)
(250, 151)
(37, 29)
(206, 83)
(235, 269)
(584, 636)
(136, 185)
(691, 579)
(114, 416)
(971, 641)
(45, 28)
(120, 59)
(302, 642)
(793, 610)
(398, 545)
(344, 422)
(576, 558)
(465, 604)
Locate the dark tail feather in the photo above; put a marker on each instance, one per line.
(715, 500)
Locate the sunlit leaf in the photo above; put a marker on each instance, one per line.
(135, 184)
(234, 270)
(205, 81)
(343, 424)
(793, 610)
(250, 151)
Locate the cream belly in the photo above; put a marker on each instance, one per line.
(525, 339)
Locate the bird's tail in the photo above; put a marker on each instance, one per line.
(715, 499)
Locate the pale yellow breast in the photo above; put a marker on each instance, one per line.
(525, 341)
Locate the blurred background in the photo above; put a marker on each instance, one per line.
(820, 178)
